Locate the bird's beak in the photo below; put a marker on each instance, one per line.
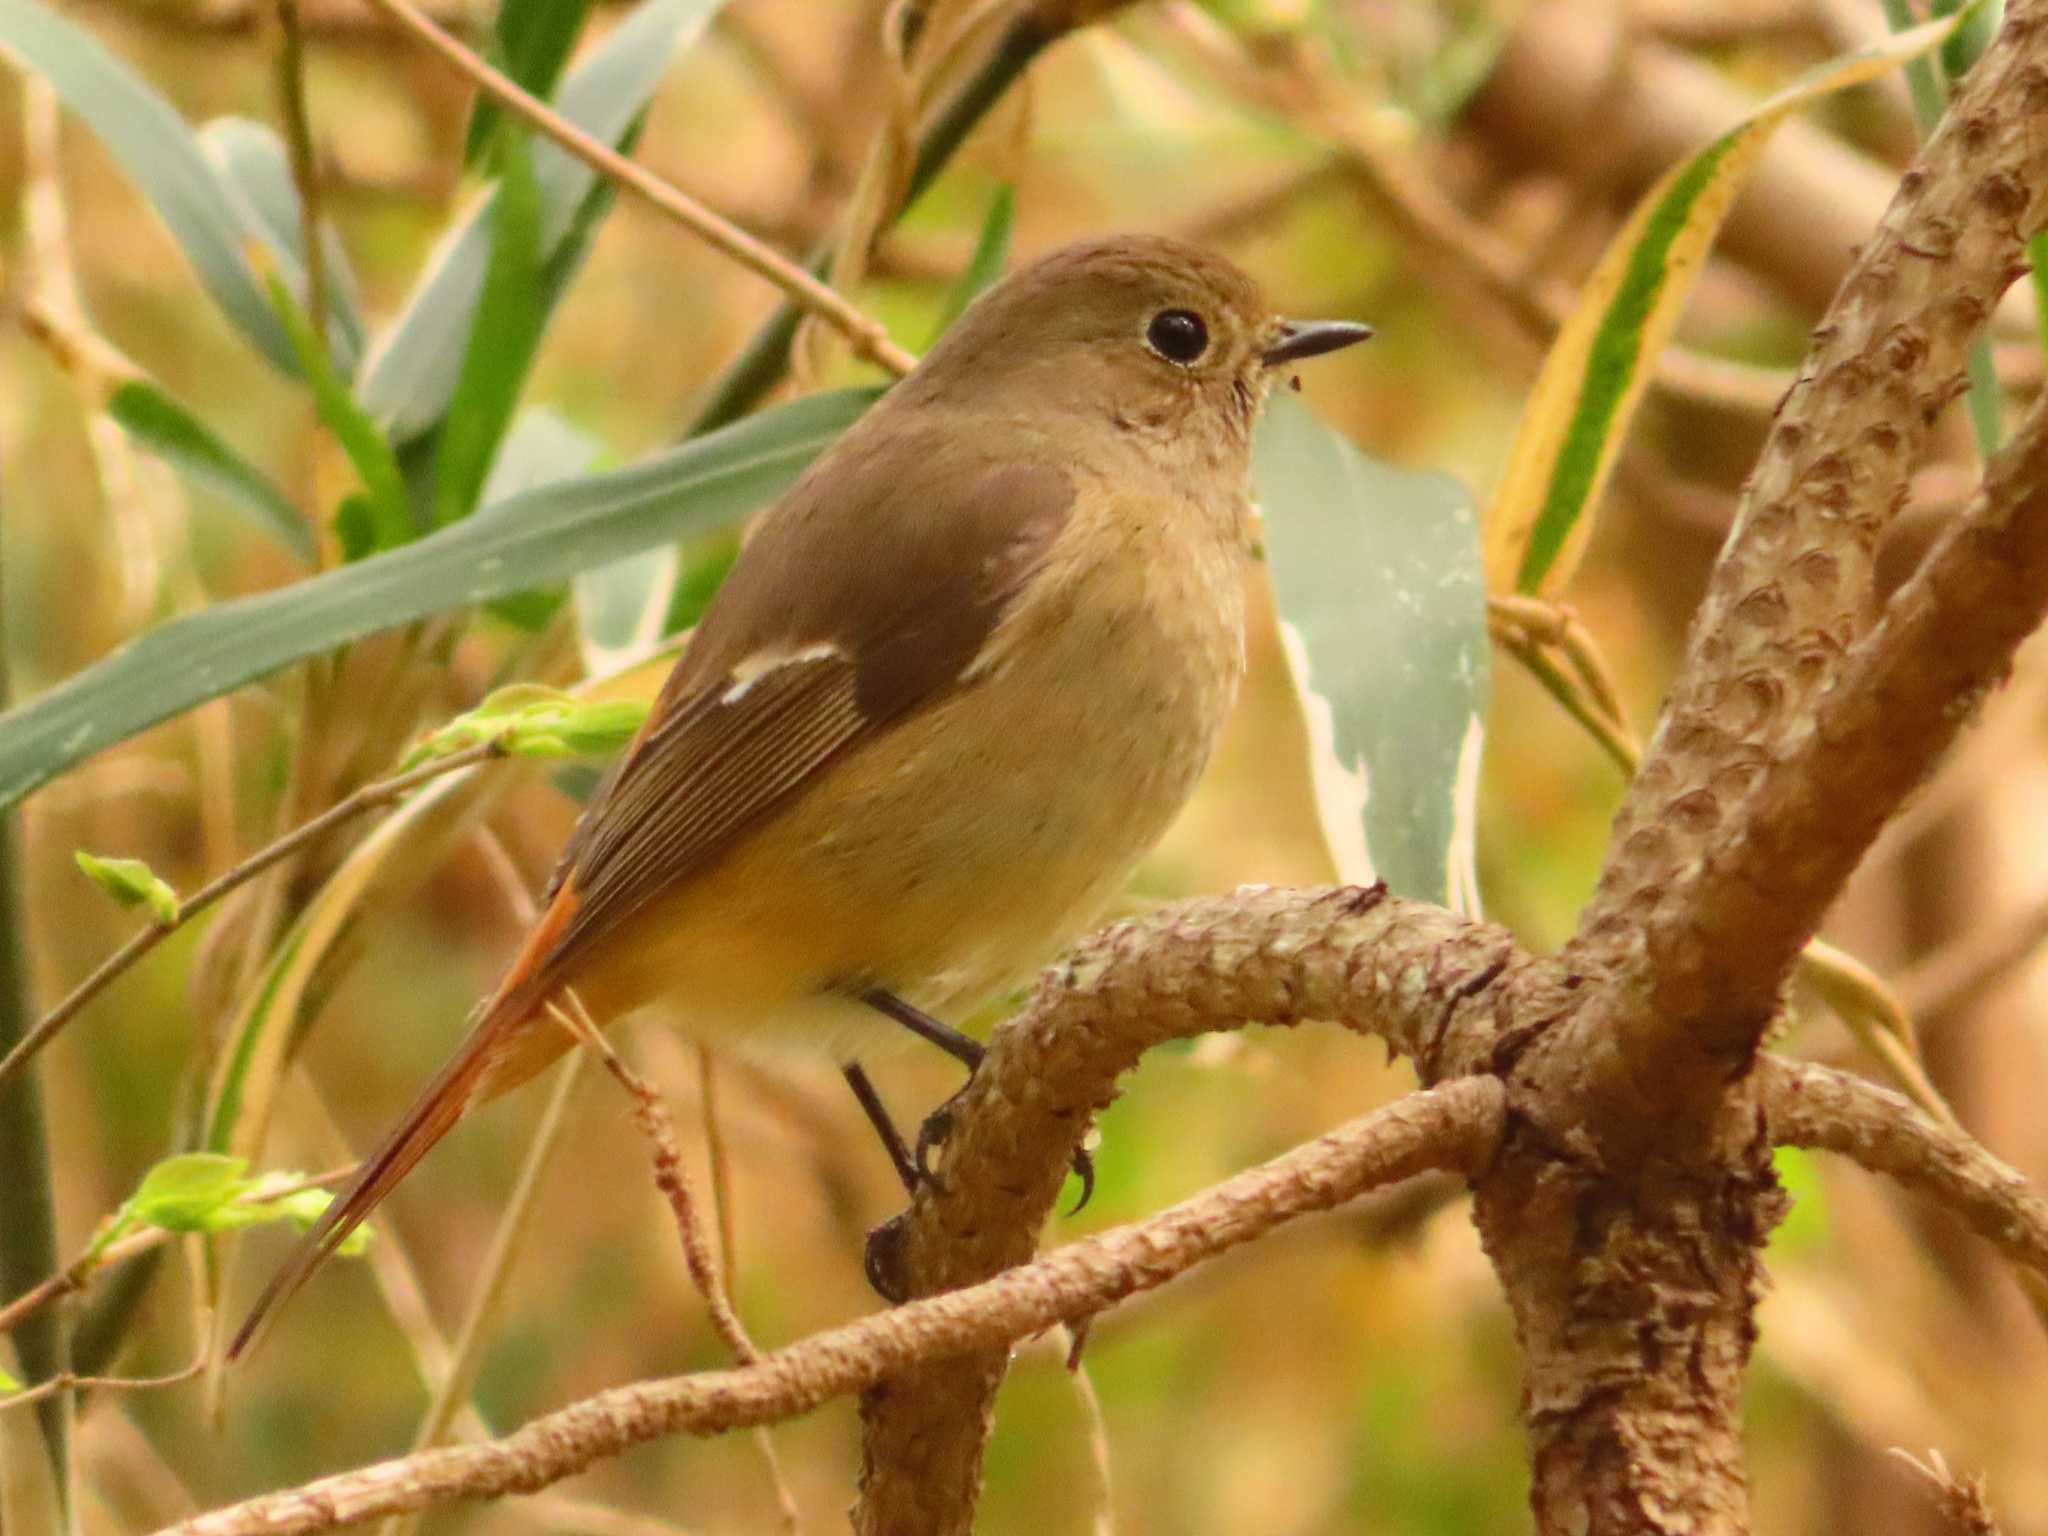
(1312, 338)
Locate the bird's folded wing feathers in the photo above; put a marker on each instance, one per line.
(821, 639)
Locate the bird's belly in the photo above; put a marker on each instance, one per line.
(947, 858)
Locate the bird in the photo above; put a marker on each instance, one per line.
(960, 678)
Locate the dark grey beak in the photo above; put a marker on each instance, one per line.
(1312, 338)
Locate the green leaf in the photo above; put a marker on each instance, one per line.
(1585, 396)
(530, 720)
(161, 155)
(304, 1210)
(410, 375)
(256, 171)
(991, 255)
(502, 342)
(212, 1192)
(187, 1193)
(620, 607)
(386, 509)
(534, 539)
(10, 1383)
(530, 42)
(1376, 576)
(132, 883)
(542, 448)
(165, 428)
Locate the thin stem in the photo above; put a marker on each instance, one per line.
(69, 1381)
(76, 1275)
(866, 335)
(369, 797)
(452, 1394)
(764, 358)
(298, 137)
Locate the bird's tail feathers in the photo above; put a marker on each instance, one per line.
(465, 1080)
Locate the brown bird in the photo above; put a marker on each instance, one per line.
(960, 679)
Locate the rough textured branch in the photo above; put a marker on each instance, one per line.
(1828, 1111)
(1454, 1127)
(1425, 981)
(1792, 592)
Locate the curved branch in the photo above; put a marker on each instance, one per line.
(1828, 1111)
(1675, 924)
(1427, 982)
(1455, 1127)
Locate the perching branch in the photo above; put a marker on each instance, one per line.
(1675, 928)
(1423, 980)
(864, 333)
(1452, 1127)
(368, 798)
(1823, 1110)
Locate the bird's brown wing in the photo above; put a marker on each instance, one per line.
(820, 638)
(864, 595)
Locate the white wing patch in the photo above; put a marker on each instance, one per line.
(749, 670)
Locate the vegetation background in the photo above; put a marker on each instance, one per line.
(1358, 1374)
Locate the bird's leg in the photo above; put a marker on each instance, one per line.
(969, 1052)
(878, 1117)
(962, 1048)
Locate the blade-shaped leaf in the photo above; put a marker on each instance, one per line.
(410, 375)
(160, 424)
(509, 318)
(161, 155)
(1579, 411)
(534, 539)
(382, 517)
(531, 40)
(991, 255)
(1376, 575)
(257, 173)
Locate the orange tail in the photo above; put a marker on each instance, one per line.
(475, 1071)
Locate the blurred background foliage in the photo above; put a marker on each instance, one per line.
(1446, 171)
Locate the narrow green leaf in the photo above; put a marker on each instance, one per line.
(991, 255)
(1585, 396)
(535, 539)
(132, 883)
(542, 448)
(502, 342)
(530, 42)
(256, 170)
(410, 375)
(153, 144)
(531, 720)
(1377, 579)
(187, 1193)
(165, 428)
(389, 512)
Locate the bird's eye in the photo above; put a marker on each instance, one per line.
(1177, 335)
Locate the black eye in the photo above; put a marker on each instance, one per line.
(1178, 335)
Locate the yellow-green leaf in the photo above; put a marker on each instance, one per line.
(132, 883)
(1579, 409)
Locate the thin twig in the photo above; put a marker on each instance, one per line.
(1960, 1499)
(368, 798)
(866, 335)
(653, 1118)
(659, 1128)
(298, 137)
(1824, 1110)
(451, 1394)
(1455, 1126)
(70, 1381)
(76, 1275)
